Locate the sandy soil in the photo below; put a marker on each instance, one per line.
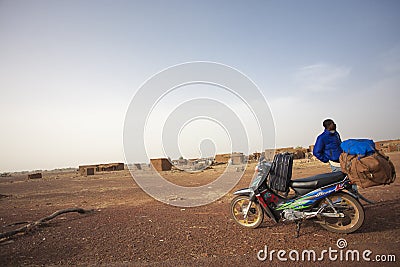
(130, 228)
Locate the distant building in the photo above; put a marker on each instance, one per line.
(238, 158)
(161, 164)
(256, 156)
(138, 166)
(222, 158)
(269, 154)
(180, 162)
(92, 169)
(298, 152)
(388, 146)
(235, 158)
(35, 175)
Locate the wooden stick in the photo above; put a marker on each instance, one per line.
(37, 223)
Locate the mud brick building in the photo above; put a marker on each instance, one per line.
(35, 175)
(298, 153)
(222, 158)
(238, 158)
(92, 169)
(161, 164)
(388, 146)
(235, 158)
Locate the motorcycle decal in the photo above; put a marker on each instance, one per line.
(266, 208)
(296, 205)
(261, 201)
(339, 187)
(309, 199)
(270, 198)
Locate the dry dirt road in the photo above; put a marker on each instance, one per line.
(129, 228)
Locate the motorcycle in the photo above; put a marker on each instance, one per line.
(329, 199)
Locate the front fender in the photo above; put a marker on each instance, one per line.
(243, 192)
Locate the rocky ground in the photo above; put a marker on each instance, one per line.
(128, 227)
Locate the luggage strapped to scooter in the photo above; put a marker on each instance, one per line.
(281, 172)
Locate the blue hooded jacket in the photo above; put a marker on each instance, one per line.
(327, 147)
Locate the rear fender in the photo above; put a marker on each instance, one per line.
(351, 193)
(347, 192)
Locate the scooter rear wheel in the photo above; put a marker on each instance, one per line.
(255, 214)
(351, 208)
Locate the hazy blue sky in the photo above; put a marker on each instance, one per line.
(68, 69)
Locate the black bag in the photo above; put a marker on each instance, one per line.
(281, 172)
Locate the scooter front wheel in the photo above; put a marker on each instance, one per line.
(254, 217)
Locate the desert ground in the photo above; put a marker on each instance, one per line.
(129, 228)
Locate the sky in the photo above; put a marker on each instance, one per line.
(69, 70)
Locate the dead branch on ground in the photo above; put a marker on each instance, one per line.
(32, 225)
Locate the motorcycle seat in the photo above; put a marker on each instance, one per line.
(316, 181)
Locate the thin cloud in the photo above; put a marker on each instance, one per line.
(390, 60)
(320, 77)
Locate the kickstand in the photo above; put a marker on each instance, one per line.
(298, 224)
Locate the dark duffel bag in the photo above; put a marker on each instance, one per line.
(281, 172)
